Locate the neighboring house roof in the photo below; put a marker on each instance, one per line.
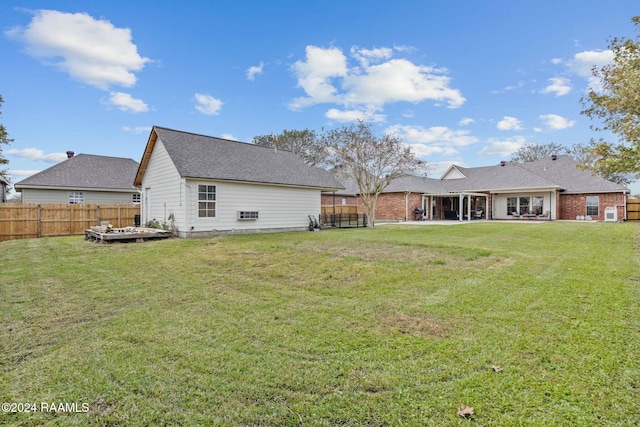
(561, 173)
(86, 171)
(207, 157)
(3, 181)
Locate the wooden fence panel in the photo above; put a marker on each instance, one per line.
(338, 209)
(118, 215)
(29, 220)
(18, 221)
(633, 209)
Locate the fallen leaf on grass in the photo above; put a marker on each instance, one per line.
(465, 411)
(496, 368)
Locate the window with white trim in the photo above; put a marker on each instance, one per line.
(512, 205)
(76, 197)
(593, 204)
(206, 201)
(135, 199)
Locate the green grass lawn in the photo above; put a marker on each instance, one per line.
(393, 326)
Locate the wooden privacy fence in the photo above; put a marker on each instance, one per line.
(29, 220)
(633, 209)
(338, 209)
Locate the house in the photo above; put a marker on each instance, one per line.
(205, 185)
(4, 184)
(83, 178)
(550, 188)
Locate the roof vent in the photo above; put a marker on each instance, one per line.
(554, 157)
(503, 163)
(70, 154)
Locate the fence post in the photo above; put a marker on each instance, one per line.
(38, 222)
(98, 214)
(71, 219)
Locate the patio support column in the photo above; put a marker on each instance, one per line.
(469, 208)
(460, 207)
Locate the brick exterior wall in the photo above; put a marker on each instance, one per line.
(572, 205)
(393, 207)
(328, 200)
(389, 207)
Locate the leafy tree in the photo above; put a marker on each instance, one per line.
(617, 106)
(534, 152)
(371, 161)
(591, 157)
(305, 143)
(4, 139)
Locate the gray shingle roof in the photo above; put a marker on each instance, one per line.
(562, 174)
(495, 178)
(86, 171)
(201, 156)
(565, 172)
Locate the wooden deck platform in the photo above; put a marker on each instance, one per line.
(127, 234)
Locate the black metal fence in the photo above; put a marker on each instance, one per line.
(344, 220)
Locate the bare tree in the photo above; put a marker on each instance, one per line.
(4, 139)
(533, 152)
(371, 161)
(305, 143)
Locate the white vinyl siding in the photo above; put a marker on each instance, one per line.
(164, 184)
(504, 204)
(278, 206)
(37, 195)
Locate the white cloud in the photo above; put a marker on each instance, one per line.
(353, 115)
(558, 85)
(137, 129)
(426, 150)
(254, 70)
(509, 123)
(365, 56)
(207, 104)
(229, 137)
(36, 154)
(437, 139)
(315, 74)
(466, 121)
(503, 147)
(90, 50)
(24, 172)
(125, 102)
(326, 77)
(583, 62)
(400, 80)
(555, 122)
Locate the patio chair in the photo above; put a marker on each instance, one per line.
(478, 214)
(546, 215)
(515, 214)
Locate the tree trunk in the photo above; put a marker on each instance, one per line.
(371, 209)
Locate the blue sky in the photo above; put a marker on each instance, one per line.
(465, 82)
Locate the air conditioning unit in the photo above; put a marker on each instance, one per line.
(247, 215)
(610, 214)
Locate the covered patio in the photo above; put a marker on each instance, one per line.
(462, 206)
